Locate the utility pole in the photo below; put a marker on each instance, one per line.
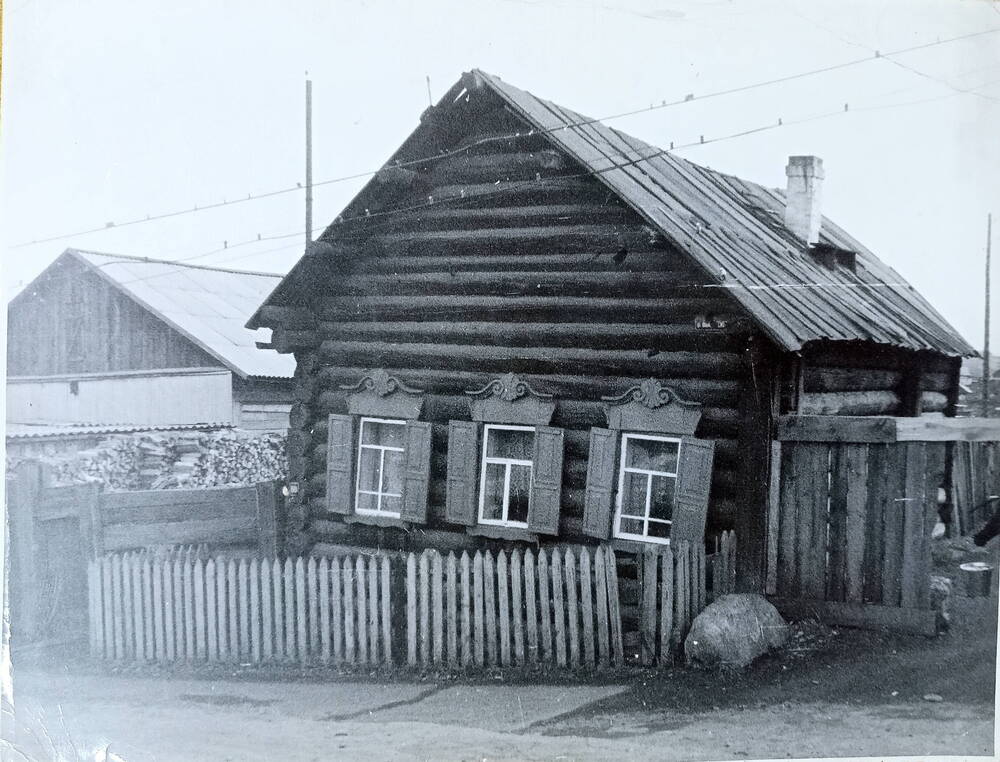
(986, 333)
(309, 168)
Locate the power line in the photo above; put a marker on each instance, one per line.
(501, 138)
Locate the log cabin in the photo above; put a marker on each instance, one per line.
(111, 341)
(531, 327)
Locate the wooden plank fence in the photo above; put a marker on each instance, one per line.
(556, 607)
(975, 479)
(185, 607)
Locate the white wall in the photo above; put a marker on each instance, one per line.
(189, 395)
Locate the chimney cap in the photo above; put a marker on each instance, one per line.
(804, 165)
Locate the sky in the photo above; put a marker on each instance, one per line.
(114, 110)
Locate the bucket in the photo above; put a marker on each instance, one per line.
(978, 579)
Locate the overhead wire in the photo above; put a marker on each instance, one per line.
(584, 122)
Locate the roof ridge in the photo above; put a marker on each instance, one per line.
(151, 260)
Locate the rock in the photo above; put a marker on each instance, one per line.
(735, 630)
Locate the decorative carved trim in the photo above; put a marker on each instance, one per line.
(385, 396)
(652, 406)
(508, 399)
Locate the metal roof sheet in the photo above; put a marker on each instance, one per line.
(208, 305)
(735, 230)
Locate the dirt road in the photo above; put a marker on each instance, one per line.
(848, 693)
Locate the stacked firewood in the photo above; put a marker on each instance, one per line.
(169, 460)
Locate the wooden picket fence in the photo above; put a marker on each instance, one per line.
(558, 607)
(182, 607)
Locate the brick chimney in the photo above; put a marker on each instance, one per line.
(803, 215)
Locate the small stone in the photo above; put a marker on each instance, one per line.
(933, 697)
(895, 693)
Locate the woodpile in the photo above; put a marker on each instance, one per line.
(167, 460)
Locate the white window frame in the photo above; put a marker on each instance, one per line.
(507, 463)
(379, 493)
(649, 473)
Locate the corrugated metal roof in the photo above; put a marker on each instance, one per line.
(37, 431)
(735, 230)
(208, 305)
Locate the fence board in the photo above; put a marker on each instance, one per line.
(601, 604)
(359, 579)
(288, 594)
(531, 607)
(666, 562)
(558, 608)
(877, 486)
(451, 587)
(211, 618)
(857, 456)
(374, 652)
(93, 607)
(147, 598)
(503, 602)
(478, 631)
(312, 601)
(913, 524)
(647, 620)
(425, 617)
(614, 610)
(386, 611)
(127, 614)
(158, 624)
(517, 605)
(587, 607)
(267, 611)
(324, 610)
(347, 580)
(137, 618)
(892, 559)
(467, 657)
(256, 635)
(544, 605)
(201, 648)
(233, 610)
(788, 572)
(337, 608)
(411, 610)
(169, 611)
(178, 592)
(243, 580)
(490, 608)
(572, 609)
(437, 608)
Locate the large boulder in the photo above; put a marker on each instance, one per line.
(733, 631)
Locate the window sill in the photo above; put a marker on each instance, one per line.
(503, 533)
(378, 521)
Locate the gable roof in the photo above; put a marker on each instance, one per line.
(734, 229)
(207, 305)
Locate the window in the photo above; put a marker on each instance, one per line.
(506, 475)
(381, 452)
(646, 485)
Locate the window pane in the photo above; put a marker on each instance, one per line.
(656, 529)
(652, 455)
(493, 493)
(392, 479)
(504, 443)
(392, 504)
(384, 434)
(661, 498)
(634, 494)
(368, 474)
(630, 526)
(367, 503)
(520, 489)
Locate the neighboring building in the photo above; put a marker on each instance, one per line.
(531, 326)
(104, 340)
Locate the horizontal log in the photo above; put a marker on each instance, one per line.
(549, 238)
(941, 429)
(596, 335)
(555, 309)
(523, 283)
(937, 382)
(828, 428)
(600, 260)
(850, 379)
(550, 190)
(444, 218)
(494, 167)
(537, 360)
(708, 391)
(849, 403)
(933, 402)
(861, 615)
(859, 354)
(294, 318)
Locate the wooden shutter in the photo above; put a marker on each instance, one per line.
(601, 482)
(694, 480)
(417, 471)
(463, 470)
(340, 448)
(546, 481)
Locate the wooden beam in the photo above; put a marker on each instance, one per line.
(866, 616)
(849, 403)
(830, 428)
(935, 429)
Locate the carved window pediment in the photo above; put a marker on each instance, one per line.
(508, 399)
(380, 394)
(651, 406)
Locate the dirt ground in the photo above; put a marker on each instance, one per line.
(831, 693)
